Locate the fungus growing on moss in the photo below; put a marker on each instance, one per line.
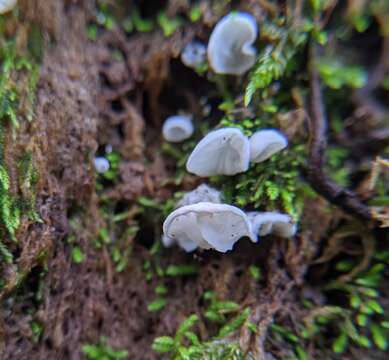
(177, 128)
(265, 223)
(193, 54)
(207, 226)
(202, 193)
(222, 152)
(230, 48)
(101, 164)
(7, 5)
(265, 143)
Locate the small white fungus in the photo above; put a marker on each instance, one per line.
(202, 193)
(265, 143)
(7, 5)
(207, 226)
(194, 54)
(108, 148)
(177, 128)
(101, 164)
(222, 152)
(230, 48)
(265, 223)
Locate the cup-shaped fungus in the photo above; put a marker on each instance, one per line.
(202, 193)
(230, 48)
(265, 223)
(222, 152)
(177, 128)
(265, 143)
(207, 226)
(101, 164)
(7, 5)
(193, 54)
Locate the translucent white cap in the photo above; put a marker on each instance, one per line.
(230, 48)
(222, 152)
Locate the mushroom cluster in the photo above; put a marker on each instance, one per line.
(228, 151)
(230, 48)
(206, 225)
(202, 221)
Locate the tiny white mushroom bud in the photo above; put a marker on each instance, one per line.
(101, 164)
(7, 5)
(222, 152)
(194, 54)
(207, 225)
(230, 47)
(265, 143)
(177, 128)
(265, 223)
(108, 148)
(202, 193)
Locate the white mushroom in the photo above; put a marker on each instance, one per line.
(177, 128)
(7, 5)
(265, 223)
(230, 49)
(206, 225)
(265, 143)
(194, 54)
(101, 164)
(202, 193)
(222, 152)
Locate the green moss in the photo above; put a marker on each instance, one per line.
(337, 75)
(272, 185)
(168, 25)
(360, 321)
(102, 351)
(275, 60)
(186, 344)
(18, 81)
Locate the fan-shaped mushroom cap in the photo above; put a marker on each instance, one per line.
(101, 164)
(207, 225)
(194, 54)
(222, 152)
(230, 49)
(265, 143)
(177, 128)
(7, 5)
(265, 223)
(202, 193)
(185, 243)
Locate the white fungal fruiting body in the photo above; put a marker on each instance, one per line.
(202, 193)
(7, 5)
(194, 54)
(265, 143)
(230, 48)
(265, 223)
(222, 152)
(101, 164)
(177, 128)
(206, 225)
